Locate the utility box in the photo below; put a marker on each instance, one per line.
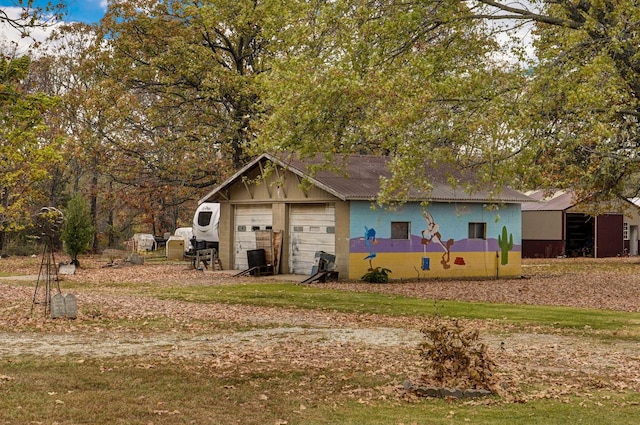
(175, 248)
(323, 262)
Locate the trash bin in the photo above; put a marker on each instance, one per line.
(256, 258)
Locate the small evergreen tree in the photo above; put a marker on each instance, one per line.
(78, 229)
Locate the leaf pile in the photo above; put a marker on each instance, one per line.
(455, 357)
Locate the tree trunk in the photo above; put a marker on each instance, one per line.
(93, 206)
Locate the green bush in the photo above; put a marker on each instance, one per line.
(77, 233)
(26, 243)
(377, 275)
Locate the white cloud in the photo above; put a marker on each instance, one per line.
(12, 39)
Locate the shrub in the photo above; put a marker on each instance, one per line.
(77, 233)
(377, 275)
(25, 243)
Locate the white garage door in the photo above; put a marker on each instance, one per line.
(312, 230)
(248, 219)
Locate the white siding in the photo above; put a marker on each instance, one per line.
(248, 219)
(312, 229)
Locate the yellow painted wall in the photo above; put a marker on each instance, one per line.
(408, 265)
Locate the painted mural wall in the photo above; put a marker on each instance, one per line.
(437, 242)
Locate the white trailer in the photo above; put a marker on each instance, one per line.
(205, 225)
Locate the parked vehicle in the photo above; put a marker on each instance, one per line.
(205, 226)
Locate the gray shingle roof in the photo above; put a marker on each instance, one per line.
(361, 180)
(557, 201)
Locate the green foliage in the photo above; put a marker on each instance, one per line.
(505, 246)
(26, 153)
(430, 81)
(189, 70)
(389, 79)
(176, 95)
(78, 230)
(377, 275)
(26, 243)
(169, 91)
(576, 124)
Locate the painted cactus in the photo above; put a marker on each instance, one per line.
(505, 246)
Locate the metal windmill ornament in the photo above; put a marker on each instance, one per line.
(49, 222)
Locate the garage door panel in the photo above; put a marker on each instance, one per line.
(248, 219)
(312, 230)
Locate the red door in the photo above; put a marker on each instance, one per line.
(609, 242)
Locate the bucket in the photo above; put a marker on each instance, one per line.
(256, 258)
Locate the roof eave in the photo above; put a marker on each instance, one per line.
(231, 179)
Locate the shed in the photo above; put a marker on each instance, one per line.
(557, 225)
(456, 234)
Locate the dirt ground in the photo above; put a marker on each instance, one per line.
(550, 363)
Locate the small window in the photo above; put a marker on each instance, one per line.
(477, 230)
(399, 230)
(204, 218)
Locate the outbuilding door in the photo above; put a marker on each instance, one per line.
(609, 237)
(248, 219)
(312, 229)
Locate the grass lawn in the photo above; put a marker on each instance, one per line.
(307, 297)
(73, 391)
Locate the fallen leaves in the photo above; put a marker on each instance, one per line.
(118, 319)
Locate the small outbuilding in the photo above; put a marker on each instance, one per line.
(447, 233)
(556, 225)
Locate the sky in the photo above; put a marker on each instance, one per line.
(89, 11)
